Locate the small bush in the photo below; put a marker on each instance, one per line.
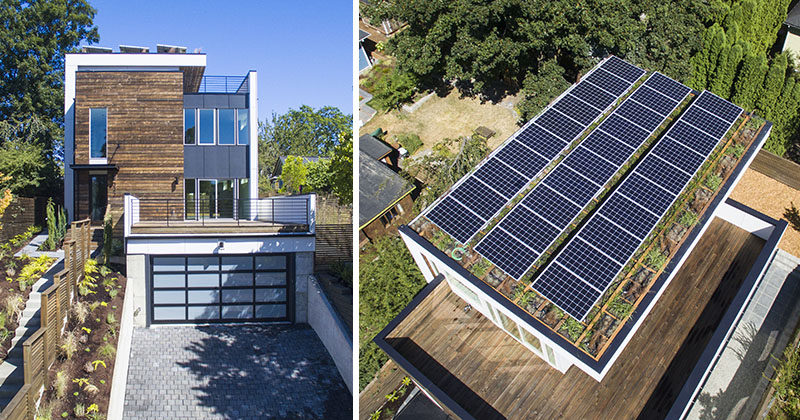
(410, 142)
(481, 267)
(45, 412)
(32, 271)
(13, 306)
(688, 218)
(107, 236)
(393, 90)
(61, 383)
(573, 327)
(79, 410)
(737, 150)
(713, 182)
(69, 344)
(655, 259)
(56, 226)
(107, 350)
(81, 311)
(111, 319)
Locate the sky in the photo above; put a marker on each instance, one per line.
(303, 51)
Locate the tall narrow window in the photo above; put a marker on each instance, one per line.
(227, 127)
(206, 126)
(243, 125)
(188, 126)
(191, 199)
(98, 129)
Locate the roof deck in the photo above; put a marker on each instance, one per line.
(476, 369)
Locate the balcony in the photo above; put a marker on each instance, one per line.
(224, 84)
(272, 215)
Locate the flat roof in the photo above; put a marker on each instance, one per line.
(477, 370)
(379, 188)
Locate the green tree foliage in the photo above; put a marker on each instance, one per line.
(341, 168)
(393, 89)
(293, 174)
(773, 84)
(749, 81)
(704, 63)
(726, 70)
(540, 88)
(388, 280)
(25, 164)
(319, 177)
(36, 34)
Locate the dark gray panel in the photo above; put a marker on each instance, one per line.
(193, 161)
(238, 161)
(215, 101)
(237, 101)
(192, 101)
(215, 162)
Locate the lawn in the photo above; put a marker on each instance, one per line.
(451, 116)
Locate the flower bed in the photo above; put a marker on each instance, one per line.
(79, 382)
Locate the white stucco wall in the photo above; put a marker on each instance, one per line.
(331, 330)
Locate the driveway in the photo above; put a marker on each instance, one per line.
(233, 372)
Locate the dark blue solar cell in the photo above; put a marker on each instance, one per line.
(718, 106)
(541, 141)
(646, 194)
(501, 178)
(455, 219)
(624, 131)
(693, 138)
(608, 82)
(547, 203)
(663, 174)
(608, 147)
(588, 164)
(579, 111)
(593, 95)
(609, 238)
(479, 198)
(589, 264)
(522, 159)
(571, 185)
(654, 100)
(706, 122)
(568, 292)
(558, 124)
(667, 86)
(640, 115)
(628, 215)
(507, 253)
(622, 69)
(678, 155)
(529, 228)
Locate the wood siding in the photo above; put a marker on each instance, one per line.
(491, 375)
(145, 134)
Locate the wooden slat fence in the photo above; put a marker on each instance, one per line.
(334, 245)
(39, 350)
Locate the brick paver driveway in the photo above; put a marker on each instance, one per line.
(233, 372)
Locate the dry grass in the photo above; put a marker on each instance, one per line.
(449, 117)
(770, 197)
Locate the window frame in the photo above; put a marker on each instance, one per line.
(238, 130)
(234, 127)
(103, 159)
(195, 113)
(213, 127)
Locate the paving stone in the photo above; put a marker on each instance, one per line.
(232, 372)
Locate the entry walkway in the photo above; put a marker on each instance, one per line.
(233, 372)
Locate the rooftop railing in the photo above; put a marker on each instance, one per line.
(224, 84)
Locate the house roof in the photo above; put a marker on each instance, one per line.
(379, 188)
(362, 35)
(793, 18)
(373, 147)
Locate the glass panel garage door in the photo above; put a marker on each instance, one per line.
(221, 288)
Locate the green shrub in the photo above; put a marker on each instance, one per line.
(56, 226)
(33, 271)
(713, 182)
(688, 218)
(786, 383)
(573, 328)
(480, 268)
(737, 150)
(410, 142)
(655, 259)
(392, 90)
(620, 308)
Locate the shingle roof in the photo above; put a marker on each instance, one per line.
(793, 19)
(373, 147)
(379, 187)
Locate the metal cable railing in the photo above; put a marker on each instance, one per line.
(277, 211)
(224, 84)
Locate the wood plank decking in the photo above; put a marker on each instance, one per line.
(777, 168)
(492, 376)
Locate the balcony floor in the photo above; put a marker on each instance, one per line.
(212, 226)
(491, 375)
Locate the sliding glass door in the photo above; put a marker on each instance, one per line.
(208, 199)
(213, 199)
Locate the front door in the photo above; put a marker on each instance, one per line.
(207, 199)
(98, 196)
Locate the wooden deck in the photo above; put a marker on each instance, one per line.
(777, 168)
(492, 376)
(214, 226)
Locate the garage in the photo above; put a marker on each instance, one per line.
(214, 288)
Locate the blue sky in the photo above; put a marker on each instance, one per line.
(303, 51)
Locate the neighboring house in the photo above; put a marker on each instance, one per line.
(792, 41)
(174, 152)
(384, 197)
(547, 294)
(378, 150)
(364, 62)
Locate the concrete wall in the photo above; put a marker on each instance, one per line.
(137, 287)
(331, 330)
(303, 269)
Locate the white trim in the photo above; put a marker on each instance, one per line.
(235, 244)
(252, 106)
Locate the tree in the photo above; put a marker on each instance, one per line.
(303, 132)
(749, 80)
(726, 71)
(319, 177)
(341, 168)
(773, 84)
(293, 174)
(393, 89)
(36, 34)
(540, 88)
(24, 159)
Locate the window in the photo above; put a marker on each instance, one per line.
(387, 217)
(467, 293)
(244, 126)
(532, 340)
(188, 126)
(508, 324)
(191, 199)
(206, 126)
(98, 129)
(550, 356)
(226, 127)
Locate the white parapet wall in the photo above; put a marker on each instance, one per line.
(119, 381)
(331, 330)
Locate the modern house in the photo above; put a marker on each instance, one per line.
(592, 266)
(173, 152)
(384, 198)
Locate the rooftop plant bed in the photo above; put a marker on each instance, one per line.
(79, 382)
(622, 298)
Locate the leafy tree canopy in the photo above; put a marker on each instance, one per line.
(293, 174)
(306, 131)
(341, 168)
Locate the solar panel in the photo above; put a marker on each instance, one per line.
(570, 186)
(652, 99)
(667, 86)
(613, 234)
(506, 250)
(639, 115)
(498, 179)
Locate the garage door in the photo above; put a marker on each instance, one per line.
(195, 289)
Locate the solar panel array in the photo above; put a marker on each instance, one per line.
(478, 197)
(580, 274)
(548, 209)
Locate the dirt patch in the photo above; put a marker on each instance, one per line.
(770, 197)
(448, 117)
